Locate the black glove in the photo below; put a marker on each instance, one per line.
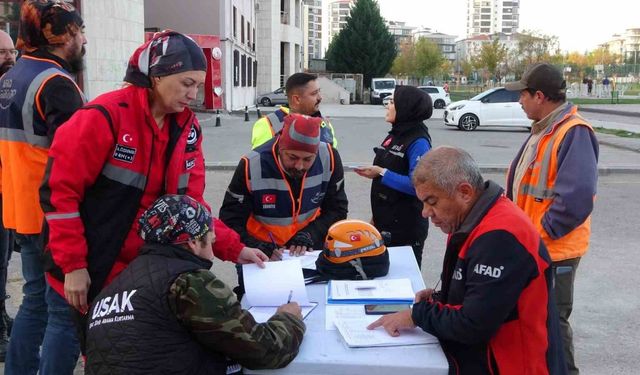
(301, 239)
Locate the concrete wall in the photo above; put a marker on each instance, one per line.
(185, 16)
(332, 92)
(279, 45)
(114, 29)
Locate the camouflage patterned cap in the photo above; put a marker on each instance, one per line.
(47, 22)
(174, 219)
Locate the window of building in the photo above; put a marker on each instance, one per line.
(242, 29)
(235, 27)
(248, 34)
(255, 73)
(243, 70)
(236, 68)
(249, 71)
(485, 23)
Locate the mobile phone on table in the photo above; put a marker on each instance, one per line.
(384, 309)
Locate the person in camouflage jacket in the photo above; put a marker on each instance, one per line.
(167, 313)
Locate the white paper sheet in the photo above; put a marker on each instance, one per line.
(308, 260)
(333, 312)
(271, 286)
(371, 289)
(356, 335)
(262, 313)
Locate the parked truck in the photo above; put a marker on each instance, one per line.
(381, 88)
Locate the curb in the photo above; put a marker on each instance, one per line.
(619, 146)
(609, 111)
(488, 169)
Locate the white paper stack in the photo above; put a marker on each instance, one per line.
(389, 291)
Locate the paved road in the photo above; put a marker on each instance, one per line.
(606, 302)
(364, 128)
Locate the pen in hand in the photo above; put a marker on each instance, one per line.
(276, 248)
(290, 295)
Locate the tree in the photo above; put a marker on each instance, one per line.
(466, 68)
(428, 58)
(490, 57)
(532, 47)
(404, 64)
(365, 45)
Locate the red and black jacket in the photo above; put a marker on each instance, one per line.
(496, 312)
(98, 182)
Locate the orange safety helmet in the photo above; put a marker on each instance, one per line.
(353, 249)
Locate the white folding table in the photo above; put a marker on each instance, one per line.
(324, 352)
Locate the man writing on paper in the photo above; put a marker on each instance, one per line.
(287, 192)
(167, 313)
(495, 313)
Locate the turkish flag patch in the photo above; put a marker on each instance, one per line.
(387, 142)
(354, 237)
(269, 199)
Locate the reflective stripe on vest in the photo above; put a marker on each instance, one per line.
(541, 189)
(285, 223)
(326, 133)
(274, 119)
(27, 108)
(536, 194)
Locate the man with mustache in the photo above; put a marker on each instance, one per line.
(495, 313)
(37, 96)
(8, 53)
(303, 95)
(287, 192)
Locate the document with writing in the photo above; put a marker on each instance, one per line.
(370, 291)
(276, 284)
(356, 335)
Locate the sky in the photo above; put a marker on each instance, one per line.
(579, 25)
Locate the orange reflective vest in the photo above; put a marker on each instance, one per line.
(274, 206)
(536, 193)
(24, 141)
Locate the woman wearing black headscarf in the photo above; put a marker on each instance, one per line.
(395, 207)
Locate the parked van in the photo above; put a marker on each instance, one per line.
(381, 88)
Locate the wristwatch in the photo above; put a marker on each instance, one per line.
(383, 171)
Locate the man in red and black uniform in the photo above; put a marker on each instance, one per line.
(495, 313)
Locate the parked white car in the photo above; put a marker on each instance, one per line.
(439, 97)
(494, 107)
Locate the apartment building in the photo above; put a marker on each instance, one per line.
(314, 30)
(492, 16)
(280, 41)
(339, 10)
(446, 42)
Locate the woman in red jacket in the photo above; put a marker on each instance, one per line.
(116, 156)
